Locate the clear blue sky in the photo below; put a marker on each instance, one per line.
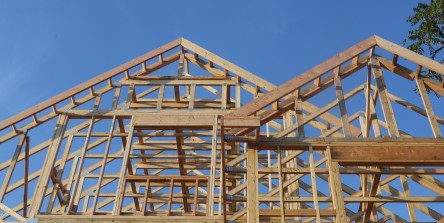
(66, 43)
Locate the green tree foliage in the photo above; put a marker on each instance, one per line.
(428, 36)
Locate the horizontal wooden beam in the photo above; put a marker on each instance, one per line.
(108, 114)
(288, 142)
(350, 199)
(296, 213)
(185, 82)
(241, 122)
(388, 155)
(345, 170)
(168, 121)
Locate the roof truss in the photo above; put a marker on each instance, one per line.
(178, 148)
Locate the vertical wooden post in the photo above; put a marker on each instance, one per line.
(313, 184)
(222, 187)
(196, 192)
(270, 183)
(53, 150)
(252, 185)
(299, 117)
(238, 93)
(170, 197)
(25, 179)
(341, 102)
(281, 184)
(181, 60)
(160, 97)
(116, 97)
(192, 96)
(224, 97)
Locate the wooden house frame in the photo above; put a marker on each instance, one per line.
(132, 145)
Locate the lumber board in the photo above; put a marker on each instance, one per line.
(159, 120)
(407, 155)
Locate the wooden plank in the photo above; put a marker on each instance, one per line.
(161, 120)
(349, 170)
(252, 185)
(428, 107)
(296, 213)
(25, 179)
(368, 102)
(304, 78)
(396, 68)
(170, 198)
(335, 187)
(192, 97)
(383, 97)
(126, 219)
(224, 97)
(12, 213)
(299, 117)
(388, 155)
(281, 186)
(359, 199)
(160, 97)
(241, 122)
(181, 161)
(196, 192)
(314, 185)
(97, 101)
(238, 96)
(184, 82)
(212, 182)
(341, 103)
